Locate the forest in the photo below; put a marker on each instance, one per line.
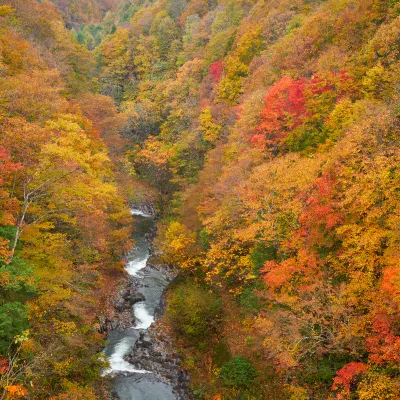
(266, 135)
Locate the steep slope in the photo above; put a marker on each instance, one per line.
(63, 221)
(270, 129)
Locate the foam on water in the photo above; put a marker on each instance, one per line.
(117, 362)
(145, 319)
(134, 266)
(135, 211)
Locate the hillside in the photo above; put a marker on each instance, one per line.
(84, 11)
(270, 129)
(64, 223)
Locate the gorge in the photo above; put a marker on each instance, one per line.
(265, 136)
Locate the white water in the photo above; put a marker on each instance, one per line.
(134, 211)
(133, 267)
(127, 382)
(143, 317)
(117, 362)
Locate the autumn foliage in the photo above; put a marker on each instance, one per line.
(274, 128)
(347, 375)
(269, 131)
(63, 222)
(283, 112)
(216, 70)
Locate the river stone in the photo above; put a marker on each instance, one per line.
(132, 297)
(120, 305)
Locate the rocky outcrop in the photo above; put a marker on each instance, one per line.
(151, 353)
(118, 314)
(145, 207)
(127, 299)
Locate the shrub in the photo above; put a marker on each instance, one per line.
(249, 301)
(13, 320)
(239, 372)
(193, 311)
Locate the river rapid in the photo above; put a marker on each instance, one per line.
(135, 382)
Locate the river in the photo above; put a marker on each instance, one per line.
(128, 382)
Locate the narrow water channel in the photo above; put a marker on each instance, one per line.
(130, 383)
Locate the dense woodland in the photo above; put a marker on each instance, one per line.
(64, 225)
(267, 133)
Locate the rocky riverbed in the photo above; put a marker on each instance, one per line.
(143, 366)
(151, 353)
